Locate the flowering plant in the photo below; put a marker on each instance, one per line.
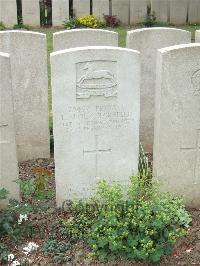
(90, 22)
(84, 22)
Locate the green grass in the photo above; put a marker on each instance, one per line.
(122, 43)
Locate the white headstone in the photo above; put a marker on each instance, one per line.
(147, 41)
(178, 11)
(8, 12)
(197, 36)
(83, 37)
(100, 8)
(121, 9)
(160, 7)
(31, 12)
(8, 159)
(60, 12)
(81, 7)
(177, 122)
(138, 11)
(194, 11)
(96, 117)
(28, 52)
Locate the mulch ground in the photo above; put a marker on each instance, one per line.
(186, 251)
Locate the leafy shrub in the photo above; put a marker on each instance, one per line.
(70, 23)
(2, 26)
(53, 246)
(137, 223)
(90, 22)
(111, 21)
(84, 22)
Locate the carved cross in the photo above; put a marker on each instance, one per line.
(96, 151)
(3, 126)
(197, 157)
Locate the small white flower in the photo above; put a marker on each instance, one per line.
(22, 217)
(188, 250)
(17, 206)
(10, 257)
(31, 247)
(15, 263)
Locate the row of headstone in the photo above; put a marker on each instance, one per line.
(94, 120)
(96, 107)
(128, 11)
(146, 41)
(131, 11)
(30, 12)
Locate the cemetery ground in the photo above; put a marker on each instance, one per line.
(51, 244)
(45, 229)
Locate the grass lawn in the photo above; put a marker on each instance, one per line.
(122, 43)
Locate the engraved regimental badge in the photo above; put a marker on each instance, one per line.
(96, 78)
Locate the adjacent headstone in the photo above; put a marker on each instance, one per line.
(138, 11)
(96, 117)
(60, 11)
(178, 11)
(100, 8)
(121, 9)
(197, 36)
(160, 7)
(8, 159)
(28, 52)
(31, 12)
(177, 122)
(194, 11)
(81, 7)
(83, 37)
(8, 12)
(147, 41)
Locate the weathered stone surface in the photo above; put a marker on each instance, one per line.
(147, 41)
(178, 11)
(100, 8)
(8, 12)
(194, 11)
(96, 117)
(197, 36)
(31, 12)
(81, 7)
(138, 11)
(8, 158)
(177, 121)
(60, 11)
(84, 37)
(28, 52)
(160, 7)
(122, 10)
